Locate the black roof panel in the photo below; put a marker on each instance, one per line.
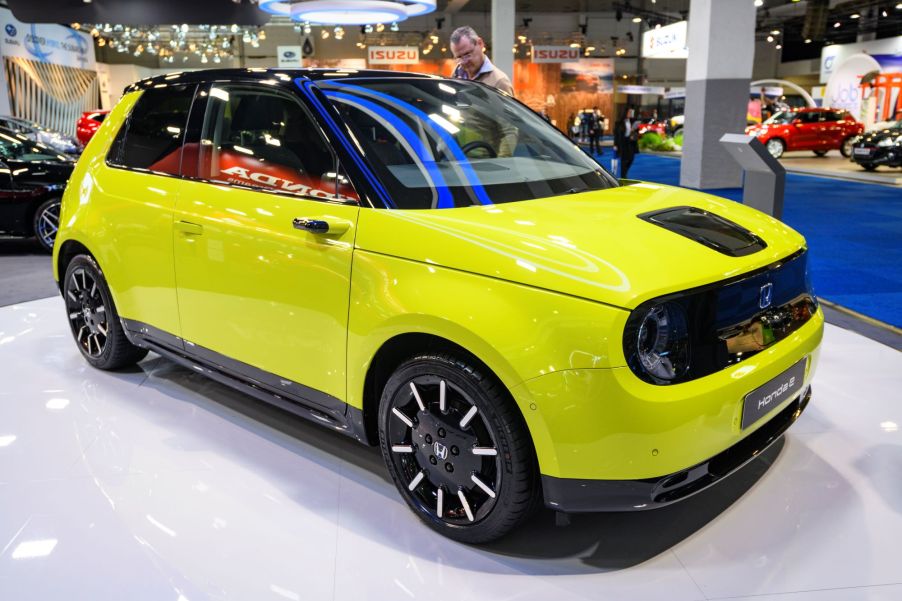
(207, 75)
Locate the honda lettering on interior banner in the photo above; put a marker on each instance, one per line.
(554, 54)
(393, 55)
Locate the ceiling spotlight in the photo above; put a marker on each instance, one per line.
(574, 45)
(759, 3)
(307, 29)
(394, 26)
(433, 38)
(883, 13)
(779, 46)
(324, 34)
(590, 48)
(637, 19)
(339, 33)
(776, 32)
(837, 24)
(770, 38)
(807, 40)
(367, 29)
(854, 16)
(203, 59)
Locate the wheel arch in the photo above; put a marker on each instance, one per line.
(68, 251)
(395, 350)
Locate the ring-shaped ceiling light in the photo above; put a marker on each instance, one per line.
(348, 12)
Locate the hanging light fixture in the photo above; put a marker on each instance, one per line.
(348, 12)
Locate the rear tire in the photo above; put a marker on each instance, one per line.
(93, 317)
(457, 448)
(820, 153)
(46, 223)
(869, 167)
(846, 147)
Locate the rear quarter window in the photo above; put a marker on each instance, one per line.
(154, 133)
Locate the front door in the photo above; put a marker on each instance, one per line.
(262, 290)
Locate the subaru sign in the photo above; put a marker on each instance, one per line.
(46, 43)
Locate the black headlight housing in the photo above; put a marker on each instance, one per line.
(688, 335)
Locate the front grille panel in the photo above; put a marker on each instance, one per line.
(734, 320)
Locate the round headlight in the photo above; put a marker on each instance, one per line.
(662, 342)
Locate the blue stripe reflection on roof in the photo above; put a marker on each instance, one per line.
(449, 140)
(445, 200)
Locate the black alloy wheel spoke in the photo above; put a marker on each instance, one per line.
(87, 313)
(444, 451)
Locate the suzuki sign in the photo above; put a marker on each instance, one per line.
(393, 55)
(666, 42)
(554, 54)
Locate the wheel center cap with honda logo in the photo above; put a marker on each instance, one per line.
(440, 450)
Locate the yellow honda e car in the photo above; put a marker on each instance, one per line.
(426, 265)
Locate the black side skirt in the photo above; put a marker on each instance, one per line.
(572, 495)
(291, 396)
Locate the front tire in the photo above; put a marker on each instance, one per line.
(457, 448)
(820, 153)
(775, 147)
(46, 223)
(93, 317)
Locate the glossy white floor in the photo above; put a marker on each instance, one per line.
(157, 485)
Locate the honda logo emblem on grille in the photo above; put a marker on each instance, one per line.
(766, 295)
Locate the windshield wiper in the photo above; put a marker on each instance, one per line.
(576, 190)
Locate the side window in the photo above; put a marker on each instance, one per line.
(812, 117)
(265, 139)
(153, 135)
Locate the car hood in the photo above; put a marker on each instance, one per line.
(873, 137)
(593, 245)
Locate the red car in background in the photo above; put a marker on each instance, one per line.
(817, 129)
(650, 125)
(87, 124)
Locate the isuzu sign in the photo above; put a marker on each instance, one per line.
(554, 54)
(393, 55)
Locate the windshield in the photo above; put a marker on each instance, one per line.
(445, 143)
(781, 117)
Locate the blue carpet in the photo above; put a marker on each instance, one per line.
(854, 233)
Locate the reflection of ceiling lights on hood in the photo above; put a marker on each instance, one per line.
(348, 12)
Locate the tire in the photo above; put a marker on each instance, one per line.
(93, 318)
(846, 147)
(479, 433)
(820, 153)
(46, 223)
(869, 167)
(776, 147)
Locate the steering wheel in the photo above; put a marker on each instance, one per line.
(466, 148)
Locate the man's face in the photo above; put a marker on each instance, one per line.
(469, 55)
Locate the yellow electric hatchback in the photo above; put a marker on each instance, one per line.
(427, 265)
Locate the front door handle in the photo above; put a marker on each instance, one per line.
(322, 225)
(188, 228)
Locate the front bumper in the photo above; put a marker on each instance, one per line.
(877, 155)
(573, 495)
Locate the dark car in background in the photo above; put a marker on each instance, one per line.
(881, 146)
(88, 124)
(36, 132)
(817, 129)
(32, 179)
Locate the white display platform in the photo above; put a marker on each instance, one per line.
(157, 484)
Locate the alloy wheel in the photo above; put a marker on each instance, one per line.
(87, 312)
(444, 450)
(775, 148)
(47, 223)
